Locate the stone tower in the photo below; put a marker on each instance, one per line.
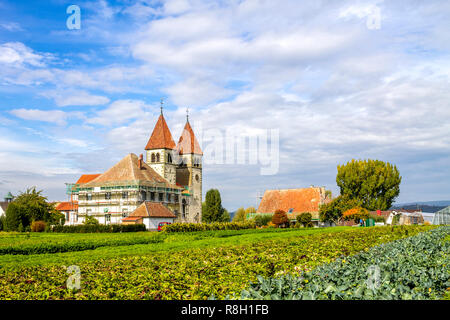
(159, 151)
(189, 172)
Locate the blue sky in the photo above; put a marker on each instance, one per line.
(338, 79)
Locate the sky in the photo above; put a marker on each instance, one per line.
(333, 80)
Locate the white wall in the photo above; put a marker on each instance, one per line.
(152, 223)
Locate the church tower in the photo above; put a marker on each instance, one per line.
(189, 172)
(159, 150)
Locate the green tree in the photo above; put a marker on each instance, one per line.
(90, 220)
(213, 210)
(239, 215)
(332, 211)
(250, 210)
(2, 222)
(373, 182)
(305, 219)
(280, 218)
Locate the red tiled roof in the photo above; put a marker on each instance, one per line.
(161, 137)
(152, 210)
(127, 170)
(67, 206)
(188, 142)
(85, 178)
(299, 200)
(131, 218)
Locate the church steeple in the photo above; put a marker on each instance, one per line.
(188, 144)
(161, 137)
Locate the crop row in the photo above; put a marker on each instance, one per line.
(197, 273)
(36, 245)
(190, 227)
(417, 267)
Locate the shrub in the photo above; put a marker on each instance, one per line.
(305, 219)
(92, 228)
(262, 219)
(90, 220)
(38, 226)
(191, 227)
(280, 218)
(356, 214)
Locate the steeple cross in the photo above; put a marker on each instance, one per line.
(187, 114)
(162, 102)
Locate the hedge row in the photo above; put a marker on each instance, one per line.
(99, 228)
(417, 267)
(190, 227)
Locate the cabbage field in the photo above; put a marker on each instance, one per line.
(305, 263)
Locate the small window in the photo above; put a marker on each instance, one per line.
(169, 158)
(152, 196)
(89, 197)
(157, 157)
(125, 195)
(161, 197)
(88, 212)
(153, 157)
(176, 198)
(107, 218)
(108, 196)
(197, 178)
(124, 213)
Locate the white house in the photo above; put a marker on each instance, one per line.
(150, 214)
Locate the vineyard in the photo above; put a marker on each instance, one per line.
(325, 263)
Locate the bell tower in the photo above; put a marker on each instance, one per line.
(189, 172)
(159, 150)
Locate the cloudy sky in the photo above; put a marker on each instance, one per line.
(336, 79)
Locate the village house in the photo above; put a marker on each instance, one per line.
(4, 204)
(295, 202)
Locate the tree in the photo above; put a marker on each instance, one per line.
(226, 216)
(213, 210)
(375, 183)
(332, 211)
(280, 218)
(90, 220)
(250, 210)
(2, 222)
(305, 219)
(262, 219)
(356, 214)
(239, 215)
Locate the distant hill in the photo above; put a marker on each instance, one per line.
(425, 206)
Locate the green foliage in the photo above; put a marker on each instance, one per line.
(226, 216)
(262, 219)
(213, 211)
(332, 211)
(375, 183)
(190, 227)
(250, 210)
(91, 220)
(27, 207)
(2, 222)
(93, 227)
(193, 273)
(305, 219)
(412, 268)
(239, 215)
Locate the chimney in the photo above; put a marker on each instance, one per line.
(141, 159)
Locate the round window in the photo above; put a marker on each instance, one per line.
(197, 178)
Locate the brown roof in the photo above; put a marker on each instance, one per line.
(188, 142)
(67, 206)
(85, 178)
(161, 137)
(4, 205)
(299, 200)
(152, 210)
(127, 171)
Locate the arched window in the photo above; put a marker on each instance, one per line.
(157, 157)
(153, 157)
(169, 158)
(183, 208)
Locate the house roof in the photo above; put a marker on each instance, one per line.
(128, 171)
(4, 205)
(152, 210)
(188, 142)
(293, 200)
(161, 137)
(66, 206)
(85, 178)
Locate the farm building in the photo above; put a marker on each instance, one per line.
(294, 202)
(442, 216)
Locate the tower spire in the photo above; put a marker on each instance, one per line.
(187, 114)
(162, 102)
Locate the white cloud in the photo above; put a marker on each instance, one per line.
(18, 53)
(75, 98)
(118, 112)
(53, 116)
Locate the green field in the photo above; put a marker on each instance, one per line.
(194, 265)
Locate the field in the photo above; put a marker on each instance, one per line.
(195, 265)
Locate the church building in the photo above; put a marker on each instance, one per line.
(166, 187)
